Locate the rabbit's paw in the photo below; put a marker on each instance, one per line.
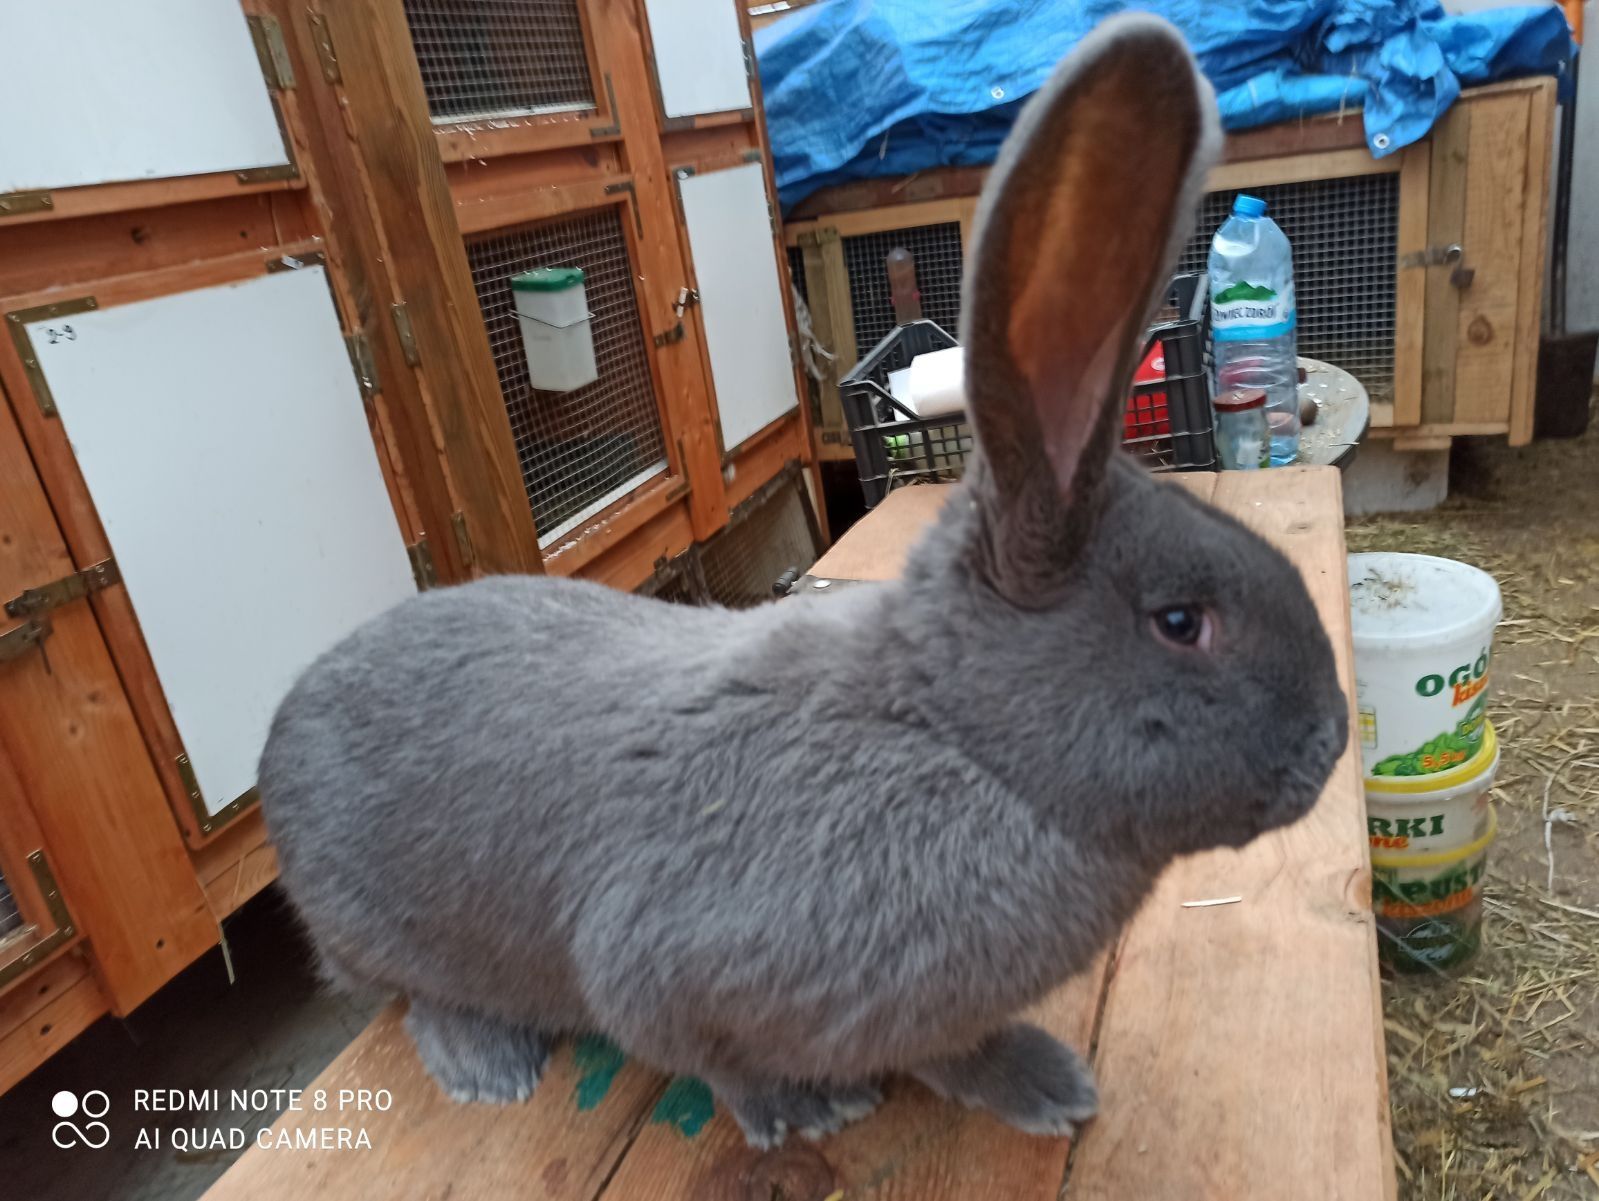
(1023, 1077)
(474, 1056)
(769, 1114)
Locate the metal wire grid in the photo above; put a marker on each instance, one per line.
(796, 272)
(739, 566)
(743, 562)
(937, 252)
(579, 449)
(1345, 233)
(10, 915)
(498, 58)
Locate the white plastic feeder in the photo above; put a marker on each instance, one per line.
(552, 309)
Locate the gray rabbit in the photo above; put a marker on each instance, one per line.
(794, 849)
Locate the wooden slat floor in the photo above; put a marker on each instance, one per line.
(1238, 1047)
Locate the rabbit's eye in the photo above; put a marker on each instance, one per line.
(1184, 625)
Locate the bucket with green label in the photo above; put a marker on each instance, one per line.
(1420, 815)
(1428, 904)
(1423, 635)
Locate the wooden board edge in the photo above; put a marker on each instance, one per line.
(43, 1013)
(1534, 250)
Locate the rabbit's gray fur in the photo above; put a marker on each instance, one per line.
(793, 849)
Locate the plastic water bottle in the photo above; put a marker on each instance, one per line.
(1253, 318)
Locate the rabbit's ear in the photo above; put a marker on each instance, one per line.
(1078, 229)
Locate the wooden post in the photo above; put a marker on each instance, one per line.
(401, 178)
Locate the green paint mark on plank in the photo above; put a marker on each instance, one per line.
(598, 1061)
(686, 1104)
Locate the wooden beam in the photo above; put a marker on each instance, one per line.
(661, 250)
(1410, 285)
(1446, 220)
(1530, 289)
(401, 178)
(1296, 168)
(1487, 325)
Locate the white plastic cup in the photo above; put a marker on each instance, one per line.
(1423, 635)
(557, 328)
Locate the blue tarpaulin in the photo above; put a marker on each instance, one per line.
(862, 88)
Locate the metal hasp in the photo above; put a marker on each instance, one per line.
(809, 585)
(59, 916)
(1442, 256)
(687, 298)
(68, 588)
(18, 642)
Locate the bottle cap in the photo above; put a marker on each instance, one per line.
(1237, 400)
(1249, 206)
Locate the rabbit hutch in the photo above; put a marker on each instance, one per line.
(265, 373)
(1420, 273)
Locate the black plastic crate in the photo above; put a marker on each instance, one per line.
(1168, 421)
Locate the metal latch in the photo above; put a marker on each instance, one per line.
(18, 642)
(808, 585)
(68, 588)
(1452, 255)
(686, 299)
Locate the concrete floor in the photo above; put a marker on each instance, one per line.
(275, 1027)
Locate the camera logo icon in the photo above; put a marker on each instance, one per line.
(93, 1133)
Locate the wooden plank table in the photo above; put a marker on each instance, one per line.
(1238, 1047)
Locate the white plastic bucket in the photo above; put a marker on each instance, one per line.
(557, 334)
(1423, 634)
(1422, 815)
(1428, 905)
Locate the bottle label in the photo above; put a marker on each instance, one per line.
(1246, 312)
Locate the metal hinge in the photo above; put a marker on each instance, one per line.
(65, 590)
(14, 204)
(750, 71)
(267, 35)
(463, 539)
(366, 369)
(422, 568)
(325, 52)
(407, 335)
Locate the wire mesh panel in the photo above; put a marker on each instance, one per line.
(1344, 233)
(796, 272)
(584, 449)
(10, 916)
(743, 562)
(499, 58)
(937, 252)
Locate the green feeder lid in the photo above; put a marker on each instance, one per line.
(548, 279)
